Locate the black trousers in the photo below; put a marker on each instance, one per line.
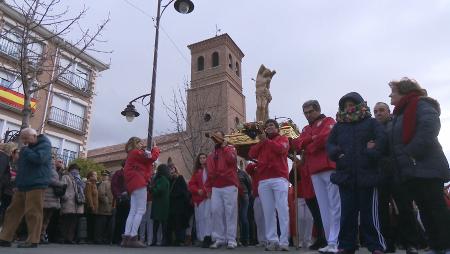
(315, 212)
(102, 229)
(122, 210)
(428, 195)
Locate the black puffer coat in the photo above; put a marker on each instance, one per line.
(422, 157)
(356, 166)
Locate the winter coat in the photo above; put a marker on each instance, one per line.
(138, 168)
(222, 166)
(161, 200)
(91, 194)
(422, 157)
(4, 172)
(105, 198)
(68, 203)
(356, 165)
(34, 165)
(180, 203)
(50, 199)
(312, 142)
(271, 155)
(195, 184)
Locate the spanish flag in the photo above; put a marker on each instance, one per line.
(14, 99)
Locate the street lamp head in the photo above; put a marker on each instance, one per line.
(184, 6)
(130, 112)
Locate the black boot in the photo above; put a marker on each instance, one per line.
(206, 242)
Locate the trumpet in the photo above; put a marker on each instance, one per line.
(215, 138)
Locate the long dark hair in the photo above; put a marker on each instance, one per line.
(197, 163)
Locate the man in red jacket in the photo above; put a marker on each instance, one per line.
(223, 185)
(312, 142)
(271, 153)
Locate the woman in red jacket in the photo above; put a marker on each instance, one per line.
(197, 187)
(137, 173)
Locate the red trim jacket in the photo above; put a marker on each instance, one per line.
(195, 184)
(138, 168)
(222, 168)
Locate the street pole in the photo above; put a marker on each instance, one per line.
(155, 66)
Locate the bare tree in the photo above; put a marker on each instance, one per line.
(192, 121)
(41, 22)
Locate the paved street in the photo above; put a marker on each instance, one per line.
(102, 249)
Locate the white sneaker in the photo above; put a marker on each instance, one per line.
(284, 247)
(231, 245)
(271, 247)
(261, 244)
(324, 249)
(332, 249)
(216, 245)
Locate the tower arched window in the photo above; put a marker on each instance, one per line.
(200, 63)
(215, 59)
(237, 69)
(230, 61)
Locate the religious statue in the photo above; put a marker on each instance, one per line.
(263, 96)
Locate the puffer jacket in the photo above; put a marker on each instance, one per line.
(422, 157)
(356, 165)
(50, 199)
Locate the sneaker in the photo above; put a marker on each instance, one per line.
(323, 249)
(411, 250)
(216, 245)
(271, 247)
(231, 245)
(333, 249)
(284, 247)
(318, 244)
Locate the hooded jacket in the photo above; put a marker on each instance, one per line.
(356, 165)
(422, 157)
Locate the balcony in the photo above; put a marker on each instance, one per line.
(12, 49)
(75, 81)
(67, 120)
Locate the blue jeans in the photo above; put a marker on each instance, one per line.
(243, 218)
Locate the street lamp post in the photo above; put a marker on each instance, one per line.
(181, 6)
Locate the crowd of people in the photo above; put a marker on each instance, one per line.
(360, 181)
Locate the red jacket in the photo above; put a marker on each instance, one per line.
(313, 140)
(222, 168)
(196, 183)
(253, 173)
(272, 157)
(305, 187)
(138, 168)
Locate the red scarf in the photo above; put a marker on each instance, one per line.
(408, 106)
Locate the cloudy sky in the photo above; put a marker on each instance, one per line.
(320, 49)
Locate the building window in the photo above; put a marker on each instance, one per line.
(230, 61)
(200, 63)
(64, 149)
(10, 44)
(67, 113)
(237, 69)
(76, 75)
(215, 59)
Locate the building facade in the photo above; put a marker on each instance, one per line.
(214, 102)
(63, 109)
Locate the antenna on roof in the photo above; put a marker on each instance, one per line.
(218, 30)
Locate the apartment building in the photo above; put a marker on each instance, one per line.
(63, 110)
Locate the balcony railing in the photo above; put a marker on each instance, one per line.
(75, 80)
(66, 156)
(12, 49)
(67, 119)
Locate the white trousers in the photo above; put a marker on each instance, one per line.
(259, 220)
(203, 219)
(274, 198)
(224, 214)
(329, 201)
(305, 223)
(137, 210)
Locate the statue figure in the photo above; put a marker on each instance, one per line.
(263, 96)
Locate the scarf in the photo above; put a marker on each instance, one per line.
(354, 114)
(408, 106)
(77, 177)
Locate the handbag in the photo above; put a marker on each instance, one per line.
(59, 190)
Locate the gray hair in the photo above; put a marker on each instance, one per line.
(314, 103)
(28, 131)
